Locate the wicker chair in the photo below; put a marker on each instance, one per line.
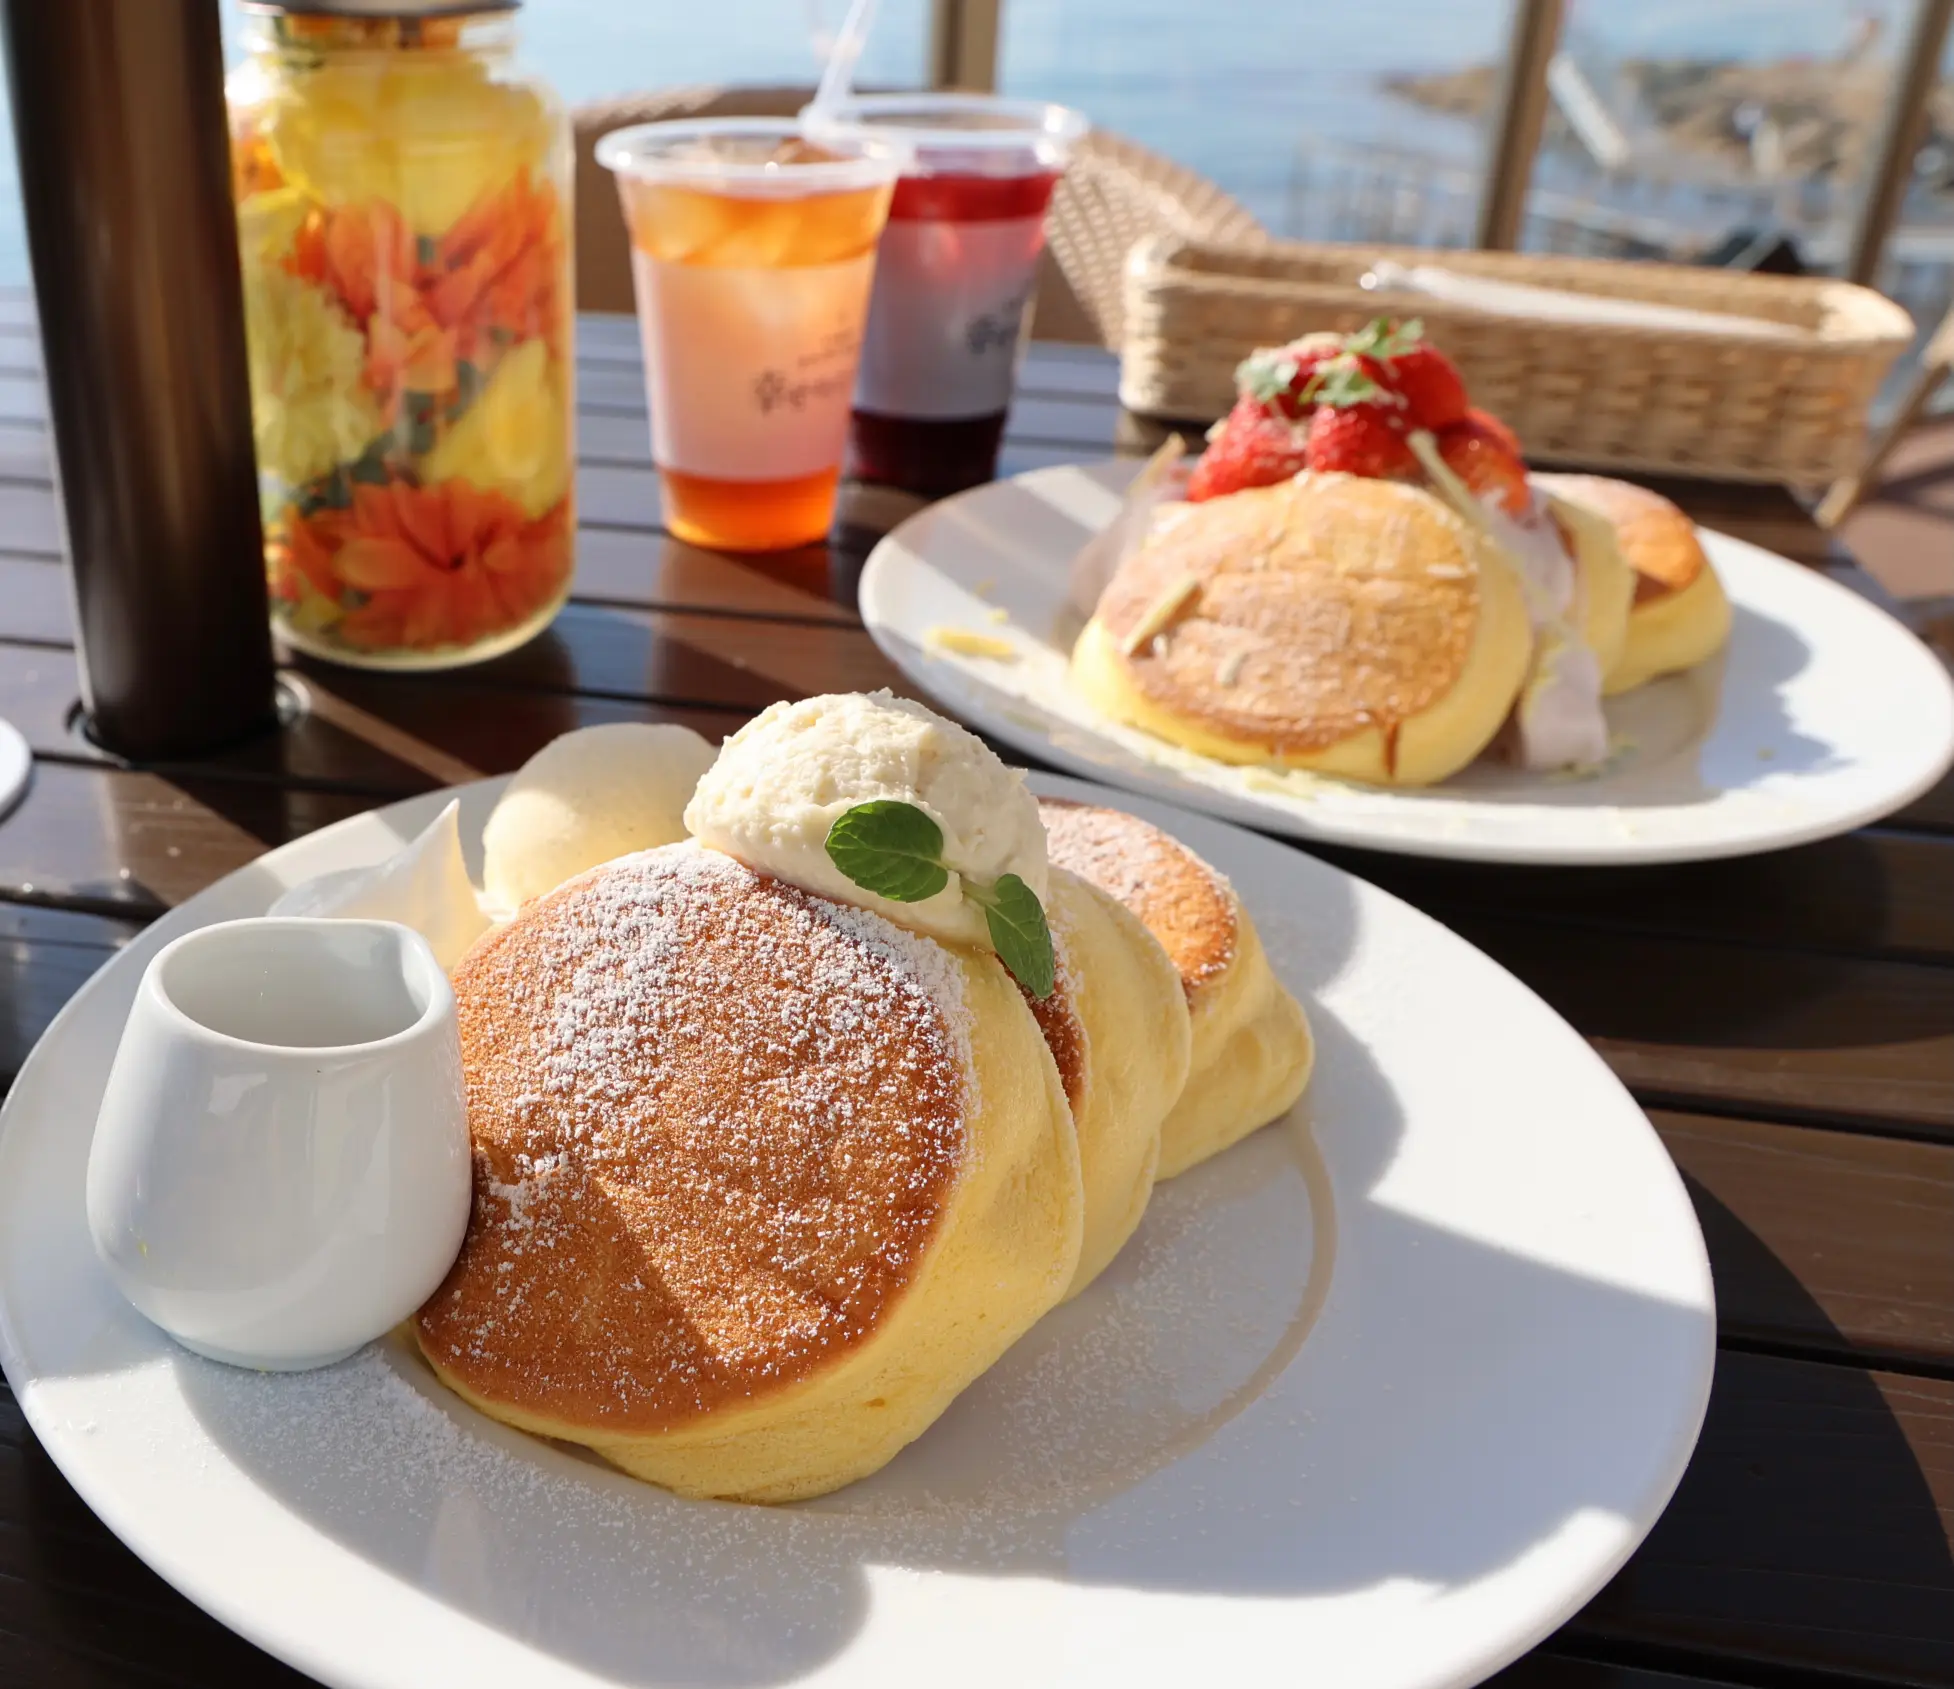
(1114, 193)
(1936, 365)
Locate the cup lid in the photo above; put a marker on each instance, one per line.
(945, 130)
(734, 155)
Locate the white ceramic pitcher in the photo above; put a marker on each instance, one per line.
(280, 1170)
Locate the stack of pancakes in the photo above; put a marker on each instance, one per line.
(1679, 616)
(1367, 629)
(762, 1181)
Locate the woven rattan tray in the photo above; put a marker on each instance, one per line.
(1785, 404)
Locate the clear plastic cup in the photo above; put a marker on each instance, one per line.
(954, 282)
(752, 253)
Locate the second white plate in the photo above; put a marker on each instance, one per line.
(1822, 715)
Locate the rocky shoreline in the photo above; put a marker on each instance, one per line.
(1795, 119)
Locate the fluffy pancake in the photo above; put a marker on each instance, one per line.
(1251, 1053)
(1352, 626)
(1680, 615)
(1604, 583)
(1118, 1028)
(761, 1181)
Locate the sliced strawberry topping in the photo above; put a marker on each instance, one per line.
(1364, 438)
(1251, 448)
(1480, 456)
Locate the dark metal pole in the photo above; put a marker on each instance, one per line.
(1518, 117)
(963, 43)
(1889, 164)
(118, 110)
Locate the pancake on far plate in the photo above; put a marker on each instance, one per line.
(1604, 584)
(1252, 1052)
(761, 1180)
(1332, 622)
(1680, 615)
(1117, 1025)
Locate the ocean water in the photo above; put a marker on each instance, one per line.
(1236, 89)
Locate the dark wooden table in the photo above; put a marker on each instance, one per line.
(1788, 1022)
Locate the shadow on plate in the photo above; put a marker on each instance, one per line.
(1687, 738)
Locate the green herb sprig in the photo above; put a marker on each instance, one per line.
(896, 851)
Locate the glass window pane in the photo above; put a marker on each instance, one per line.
(1302, 113)
(1694, 130)
(590, 49)
(1919, 266)
(1745, 129)
(593, 48)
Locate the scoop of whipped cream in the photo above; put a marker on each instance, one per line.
(423, 885)
(587, 797)
(784, 779)
(1557, 721)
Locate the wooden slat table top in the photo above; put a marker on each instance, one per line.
(1789, 1022)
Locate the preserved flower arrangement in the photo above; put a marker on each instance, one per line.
(403, 228)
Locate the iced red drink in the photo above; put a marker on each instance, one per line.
(954, 279)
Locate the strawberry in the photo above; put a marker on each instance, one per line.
(1477, 451)
(1277, 377)
(1360, 438)
(1428, 381)
(1251, 448)
(1497, 429)
(1403, 361)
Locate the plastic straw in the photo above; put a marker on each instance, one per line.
(838, 79)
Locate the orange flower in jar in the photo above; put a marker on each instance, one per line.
(369, 257)
(433, 566)
(299, 550)
(253, 169)
(497, 271)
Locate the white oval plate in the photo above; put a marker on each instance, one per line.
(1509, 1334)
(16, 763)
(1823, 714)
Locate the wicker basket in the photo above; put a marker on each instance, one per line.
(1114, 193)
(1787, 407)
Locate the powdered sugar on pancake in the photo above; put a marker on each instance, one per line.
(1187, 905)
(715, 1120)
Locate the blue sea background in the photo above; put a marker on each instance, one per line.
(1233, 88)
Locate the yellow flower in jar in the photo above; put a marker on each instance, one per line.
(310, 411)
(267, 225)
(515, 438)
(428, 132)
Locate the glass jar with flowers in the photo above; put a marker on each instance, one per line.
(403, 197)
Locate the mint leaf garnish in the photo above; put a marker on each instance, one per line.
(896, 851)
(1017, 925)
(1383, 338)
(892, 849)
(1341, 383)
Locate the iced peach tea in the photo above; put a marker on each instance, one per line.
(753, 254)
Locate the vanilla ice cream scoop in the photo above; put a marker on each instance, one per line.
(589, 797)
(782, 781)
